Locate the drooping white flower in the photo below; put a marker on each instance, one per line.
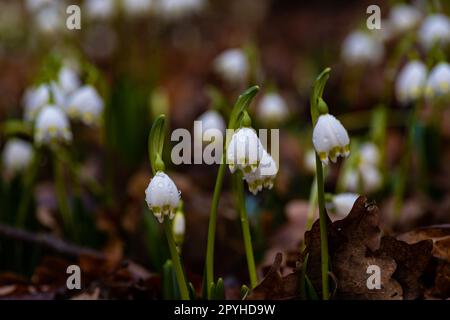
(162, 196)
(52, 125)
(137, 7)
(179, 227)
(272, 108)
(86, 105)
(438, 83)
(361, 48)
(434, 29)
(403, 17)
(343, 203)
(99, 9)
(410, 83)
(68, 80)
(210, 119)
(232, 65)
(369, 154)
(17, 155)
(263, 176)
(330, 139)
(244, 151)
(34, 99)
(175, 9)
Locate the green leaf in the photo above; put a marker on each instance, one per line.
(16, 127)
(244, 291)
(156, 140)
(241, 105)
(219, 290)
(192, 293)
(302, 279)
(312, 294)
(168, 283)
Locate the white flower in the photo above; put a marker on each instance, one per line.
(173, 9)
(211, 119)
(138, 7)
(369, 154)
(343, 203)
(330, 138)
(99, 9)
(179, 227)
(232, 65)
(35, 5)
(162, 196)
(410, 83)
(244, 151)
(49, 19)
(85, 104)
(17, 155)
(68, 80)
(263, 176)
(272, 108)
(52, 125)
(361, 48)
(34, 99)
(438, 83)
(404, 17)
(371, 178)
(434, 29)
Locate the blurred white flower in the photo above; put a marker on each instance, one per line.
(410, 83)
(137, 7)
(210, 119)
(174, 9)
(438, 83)
(244, 151)
(367, 176)
(162, 196)
(404, 17)
(343, 203)
(17, 155)
(68, 79)
(35, 5)
(49, 20)
(232, 65)
(434, 29)
(361, 48)
(369, 154)
(263, 176)
(272, 108)
(52, 125)
(34, 99)
(179, 227)
(309, 161)
(100, 9)
(330, 139)
(86, 105)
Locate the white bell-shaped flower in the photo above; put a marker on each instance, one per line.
(330, 139)
(343, 203)
(99, 9)
(438, 83)
(135, 8)
(434, 29)
(68, 80)
(272, 108)
(264, 176)
(52, 125)
(162, 196)
(34, 99)
(403, 17)
(210, 119)
(232, 65)
(244, 151)
(17, 155)
(86, 105)
(410, 83)
(361, 48)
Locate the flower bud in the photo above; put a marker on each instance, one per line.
(244, 151)
(17, 155)
(410, 84)
(330, 138)
(434, 29)
(162, 196)
(52, 125)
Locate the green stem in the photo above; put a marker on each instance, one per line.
(312, 205)
(323, 219)
(184, 292)
(239, 186)
(61, 195)
(212, 225)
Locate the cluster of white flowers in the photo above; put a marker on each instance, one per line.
(361, 48)
(366, 174)
(17, 155)
(272, 108)
(232, 65)
(246, 153)
(330, 139)
(162, 196)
